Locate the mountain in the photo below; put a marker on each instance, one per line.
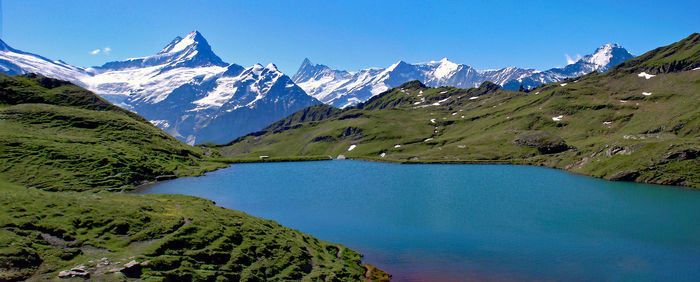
(66, 155)
(343, 89)
(638, 122)
(15, 62)
(185, 89)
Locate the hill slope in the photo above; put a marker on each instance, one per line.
(617, 125)
(58, 137)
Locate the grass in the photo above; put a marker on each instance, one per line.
(82, 142)
(607, 129)
(182, 237)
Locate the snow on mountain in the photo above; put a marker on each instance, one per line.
(14, 62)
(342, 88)
(185, 89)
(607, 56)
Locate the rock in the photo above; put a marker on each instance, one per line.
(627, 175)
(78, 271)
(132, 269)
(617, 150)
(341, 157)
(165, 177)
(115, 270)
(64, 274)
(413, 159)
(131, 264)
(545, 142)
(351, 132)
(687, 154)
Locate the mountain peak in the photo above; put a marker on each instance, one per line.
(191, 51)
(193, 40)
(608, 46)
(4, 46)
(607, 56)
(271, 67)
(395, 65)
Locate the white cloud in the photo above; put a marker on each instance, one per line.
(105, 50)
(570, 60)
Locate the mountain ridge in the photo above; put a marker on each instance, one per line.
(343, 88)
(185, 88)
(623, 124)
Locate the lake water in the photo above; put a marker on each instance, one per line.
(471, 222)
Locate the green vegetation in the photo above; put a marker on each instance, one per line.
(680, 56)
(181, 237)
(63, 153)
(599, 124)
(57, 136)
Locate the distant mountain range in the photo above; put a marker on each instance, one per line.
(341, 88)
(191, 93)
(639, 121)
(185, 89)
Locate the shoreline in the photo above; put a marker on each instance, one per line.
(416, 162)
(231, 161)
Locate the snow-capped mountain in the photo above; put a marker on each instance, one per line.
(185, 89)
(14, 62)
(341, 88)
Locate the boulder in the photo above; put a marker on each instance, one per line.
(627, 175)
(78, 271)
(545, 142)
(132, 269)
(615, 150)
(687, 154)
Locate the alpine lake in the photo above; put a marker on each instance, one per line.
(451, 222)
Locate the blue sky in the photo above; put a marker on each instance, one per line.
(347, 34)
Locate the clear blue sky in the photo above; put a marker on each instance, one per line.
(348, 34)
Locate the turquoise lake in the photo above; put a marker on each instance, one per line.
(471, 222)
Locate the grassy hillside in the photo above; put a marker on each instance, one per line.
(181, 237)
(57, 136)
(616, 125)
(63, 149)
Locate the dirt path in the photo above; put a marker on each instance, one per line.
(340, 254)
(187, 220)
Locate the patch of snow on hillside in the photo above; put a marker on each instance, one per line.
(645, 75)
(160, 123)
